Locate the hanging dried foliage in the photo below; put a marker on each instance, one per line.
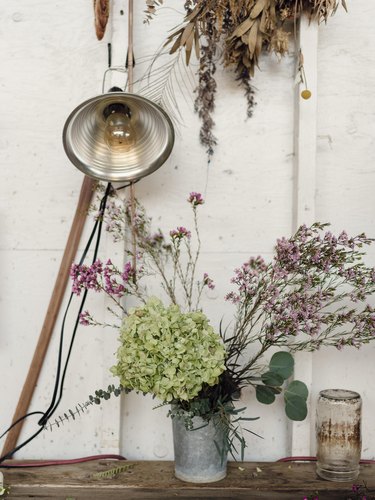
(151, 9)
(101, 11)
(242, 29)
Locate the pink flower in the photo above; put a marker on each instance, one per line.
(86, 277)
(195, 199)
(85, 318)
(207, 281)
(179, 233)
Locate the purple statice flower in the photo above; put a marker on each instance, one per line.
(111, 285)
(195, 199)
(257, 263)
(85, 318)
(304, 233)
(155, 239)
(86, 277)
(249, 275)
(343, 238)
(128, 273)
(330, 239)
(287, 254)
(207, 281)
(232, 297)
(179, 233)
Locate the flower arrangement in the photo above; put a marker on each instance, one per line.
(312, 294)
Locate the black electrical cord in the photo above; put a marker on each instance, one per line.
(59, 382)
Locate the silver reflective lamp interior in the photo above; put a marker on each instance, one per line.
(118, 137)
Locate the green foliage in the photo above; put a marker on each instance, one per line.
(4, 490)
(265, 395)
(295, 408)
(115, 471)
(296, 389)
(283, 364)
(295, 397)
(104, 395)
(167, 353)
(295, 394)
(81, 408)
(272, 379)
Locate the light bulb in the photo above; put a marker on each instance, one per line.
(119, 133)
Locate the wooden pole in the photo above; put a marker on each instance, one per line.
(52, 312)
(304, 199)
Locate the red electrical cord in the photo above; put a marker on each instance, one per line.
(45, 463)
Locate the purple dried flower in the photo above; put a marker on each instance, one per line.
(155, 239)
(111, 285)
(86, 277)
(128, 273)
(179, 233)
(232, 297)
(287, 254)
(207, 281)
(195, 199)
(85, 318)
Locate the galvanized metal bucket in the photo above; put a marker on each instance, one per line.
(197, 458)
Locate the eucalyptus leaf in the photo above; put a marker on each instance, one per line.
(282, 363)
(272, 379)
(264, 394)
(296, 388)
(296, 408)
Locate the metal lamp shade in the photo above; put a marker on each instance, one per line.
(85, 145)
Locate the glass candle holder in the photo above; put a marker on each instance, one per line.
(338, 433)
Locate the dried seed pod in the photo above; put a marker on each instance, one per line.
(101, 10)
(306, 94)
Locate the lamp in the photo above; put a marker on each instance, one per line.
(118, 137)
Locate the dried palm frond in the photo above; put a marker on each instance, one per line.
(165, 79)
(321, 10)
(150, 11)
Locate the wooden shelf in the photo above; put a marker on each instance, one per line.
(145, 480)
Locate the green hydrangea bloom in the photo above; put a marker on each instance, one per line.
(168, 353)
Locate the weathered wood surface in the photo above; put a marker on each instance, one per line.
(143, 480)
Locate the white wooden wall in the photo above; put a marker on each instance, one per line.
(50, 62)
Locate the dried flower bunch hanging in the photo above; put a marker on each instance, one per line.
(235, 32)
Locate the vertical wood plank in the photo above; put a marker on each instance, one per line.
(111, 410)
(304, 198)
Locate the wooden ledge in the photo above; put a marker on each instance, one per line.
(145, 480)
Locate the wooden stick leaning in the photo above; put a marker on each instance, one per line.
(52, 312)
